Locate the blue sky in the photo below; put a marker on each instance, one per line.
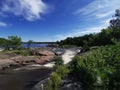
(51, 20)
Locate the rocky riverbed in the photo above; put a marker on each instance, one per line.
(28, 76)
(40, 57)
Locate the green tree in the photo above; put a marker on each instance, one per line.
(29, 43)
(105, 37)
(115, 22)
(14, 41)
(4, 42)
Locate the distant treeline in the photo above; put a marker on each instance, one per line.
(15, 42)
(41, 42)
(107, 36)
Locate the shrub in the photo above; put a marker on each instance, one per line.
(58, 61)
(54, 82)
(99, 68)
(55, 79)
(62, 71)
(81, 72)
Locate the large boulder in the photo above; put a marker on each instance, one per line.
(46, 56)
(45, 53)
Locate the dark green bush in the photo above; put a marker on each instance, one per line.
(58, 61)
(81, 72)
(101, 68)
(62, 71)
(55, 79)
(54, 82)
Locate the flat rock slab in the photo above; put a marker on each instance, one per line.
(6, 63)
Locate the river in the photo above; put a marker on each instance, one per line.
(33, 45)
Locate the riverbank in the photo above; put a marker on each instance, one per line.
(17, 57)
(66, 56)
(29, 76)
(43, 58)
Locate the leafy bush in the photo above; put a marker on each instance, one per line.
(55, 79)
(58, 61)
(86, 48)
(102, 67)
(81, 72)
(54, 82)
(62, 71)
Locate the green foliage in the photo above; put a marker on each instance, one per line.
(86, 48)
(62, 71)
(102, 67)
(3, 41)
(115, 22)
(23, 52)
(114, 79)
(55, 79)
(14, 41)
(107, 36)
(82, 72)
(54, 82)
(116, 33)
(29, 43)
(58, 61)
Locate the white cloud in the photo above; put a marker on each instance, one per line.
(99, 8)
(29, 9)
(96, 29)
(105, 22)
(92, 7)
(96, 15)
(2, 24)
(102, 15)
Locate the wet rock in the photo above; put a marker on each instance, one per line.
(70, 85)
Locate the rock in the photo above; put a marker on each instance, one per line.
(2, 49)
(45, 53)
(25, 60)
(46, 56)
(44, 59)
(6, 63)
(70, 85)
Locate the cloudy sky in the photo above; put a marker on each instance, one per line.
(51, 20)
